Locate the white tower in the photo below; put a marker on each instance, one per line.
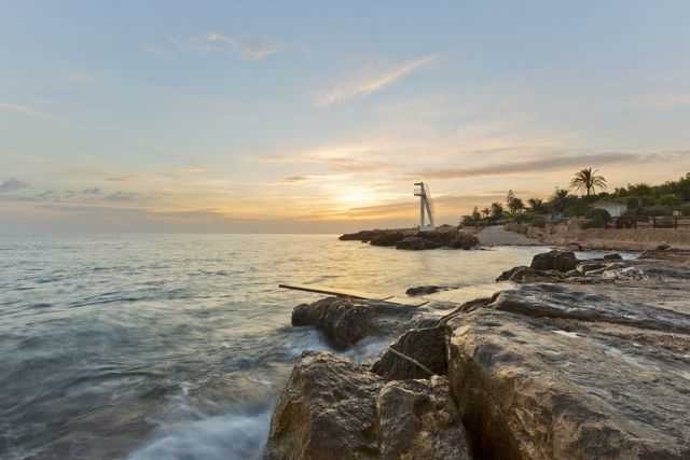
(422, 191)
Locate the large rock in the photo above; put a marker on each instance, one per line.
(522, 274)
(562, 261)
(327, 410)
(419, 420)
(344, 322)
(332, 408)
(425, 346)
(555, 372)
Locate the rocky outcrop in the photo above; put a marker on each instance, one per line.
(327, 410)
(594, 363)
(558, 372)
(333, 408)
(410, 239)
(561, 261)
(344, 321)
(417, 354)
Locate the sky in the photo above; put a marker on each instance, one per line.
(295, 116)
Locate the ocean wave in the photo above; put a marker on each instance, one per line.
(225, 437)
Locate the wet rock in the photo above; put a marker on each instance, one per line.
(327, 410)
(553, 373)
(424, 290)
(615, 256)
(419, 420)
(345, 322)
(426, 346)
(562, 261)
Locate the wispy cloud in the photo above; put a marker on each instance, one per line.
(249, 48)
(12, 185)
(551, 163)
(371, 82)
(22, 109)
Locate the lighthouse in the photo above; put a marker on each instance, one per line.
(426, 216)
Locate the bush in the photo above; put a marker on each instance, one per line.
(597, 218)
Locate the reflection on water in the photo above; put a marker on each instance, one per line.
(175, 346)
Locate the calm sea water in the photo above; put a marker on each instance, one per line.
(175, 346)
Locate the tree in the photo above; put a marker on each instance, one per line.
(536, 205)
(587, 179)
(559, 200)
(486, 212)
(514, 203)
(496, 210)
(475, 214)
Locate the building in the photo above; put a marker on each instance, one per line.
(614, 208)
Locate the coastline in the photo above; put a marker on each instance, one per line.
(573, 340)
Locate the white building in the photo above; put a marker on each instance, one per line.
(614, 208)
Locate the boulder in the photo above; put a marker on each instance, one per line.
(419, 420)
(562, 261)
(426, 346)
(344, 321)
(555, 373)
(333, 408)
(614, 256)
(424, 290)
(524, 274)
(327, 410)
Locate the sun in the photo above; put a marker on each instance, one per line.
(355, 197)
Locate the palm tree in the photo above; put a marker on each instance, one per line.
(536, 204)
(588, 180)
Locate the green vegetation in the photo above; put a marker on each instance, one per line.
(643, 201)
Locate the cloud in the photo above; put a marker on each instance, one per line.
(295, 179)
(22, 109)
(554, 162)
(371, 83)
(12, 185)
(253, 49)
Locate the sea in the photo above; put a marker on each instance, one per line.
(158, 346)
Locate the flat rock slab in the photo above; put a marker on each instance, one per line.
(538, 378)
(583, 304)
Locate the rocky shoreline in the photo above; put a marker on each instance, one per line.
(580, 359)
(414, 240)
